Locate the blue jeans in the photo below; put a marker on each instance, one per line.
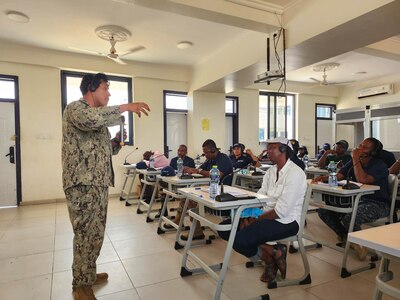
(249, 238)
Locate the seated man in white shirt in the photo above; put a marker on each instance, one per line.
(286, 183)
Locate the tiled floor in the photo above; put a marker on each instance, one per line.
(36, 255)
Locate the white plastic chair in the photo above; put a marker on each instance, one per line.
(306, 277)
(393, 184)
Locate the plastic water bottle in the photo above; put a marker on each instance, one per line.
(151, 162)
(305, 160)
(332, 180)
(179, 165)
(214, 182)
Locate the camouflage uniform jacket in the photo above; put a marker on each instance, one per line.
(86, 145)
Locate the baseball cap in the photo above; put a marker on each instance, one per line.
(168, 171)
(141, 165)
(343, 143)
(280, 140)
(238, 145)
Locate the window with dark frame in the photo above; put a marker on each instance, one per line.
(174, 102)
(324, 111)
(232, 111)
(120, 90)
(276, 116)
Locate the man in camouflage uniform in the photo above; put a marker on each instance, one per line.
(88, 172)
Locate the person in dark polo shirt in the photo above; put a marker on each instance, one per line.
(182, 153)
(241, 158)
(294, 158)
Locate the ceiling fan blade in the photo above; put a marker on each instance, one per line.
(316, 80)
(342, 83)
(133, 50)
(88, 51)
(117, 60)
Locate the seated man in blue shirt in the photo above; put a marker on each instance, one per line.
(337, 154)
(365, 168)
(187, 162)
(241, 158)
(182, 153)
(214, 158)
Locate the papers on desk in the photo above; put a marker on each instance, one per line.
(340, 183)
(343, 182)
(197, 175)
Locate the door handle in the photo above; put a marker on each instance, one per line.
(11, 155)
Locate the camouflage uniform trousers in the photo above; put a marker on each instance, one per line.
(368, 211)
(87, 206)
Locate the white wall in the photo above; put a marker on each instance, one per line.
(248, 118)
(205, 105)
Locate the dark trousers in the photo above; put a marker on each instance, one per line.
(249, 238)
(368, 211)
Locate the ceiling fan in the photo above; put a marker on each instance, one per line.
(113, 34)
(323, 68)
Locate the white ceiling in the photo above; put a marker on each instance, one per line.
(70, 24)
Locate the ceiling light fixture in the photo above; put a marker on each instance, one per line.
(17, 16)
(184, 45)
(325, 67)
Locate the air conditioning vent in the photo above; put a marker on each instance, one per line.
(386, 89)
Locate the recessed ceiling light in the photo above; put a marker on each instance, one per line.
(17, 16)
(184, 45)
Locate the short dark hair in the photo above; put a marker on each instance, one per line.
(183, 146)
(210, 144)
(91, 82)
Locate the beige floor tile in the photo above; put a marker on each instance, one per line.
(302, 295)
(8, 214)
(125, 295)
(351, 288)
(197, 287)
(5, 224)
(43, 221)
(150, 269)
(130, 231)
(17, 234)
(26, 247)
(35, 211)
(140, 246)
(127, 221)
(35, 288)
(25, 266)
(64, 228)
(63, 258)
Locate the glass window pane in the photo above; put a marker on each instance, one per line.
(280, 117)
(119, 95)
(290, 117)
(263, 117)
(324, 112)
(176, 102)
(7, 89)
(271, 133)
(229, 106)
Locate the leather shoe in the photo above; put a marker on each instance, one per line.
(101, 278)
(184, 237)
(83, 293)
(168, 226)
